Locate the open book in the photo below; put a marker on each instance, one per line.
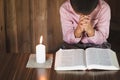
(91, 58)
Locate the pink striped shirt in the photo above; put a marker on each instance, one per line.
(100, 19)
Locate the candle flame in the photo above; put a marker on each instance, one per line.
(41, 39)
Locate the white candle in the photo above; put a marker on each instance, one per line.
(40, 52)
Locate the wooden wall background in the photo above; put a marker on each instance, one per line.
(23, 21)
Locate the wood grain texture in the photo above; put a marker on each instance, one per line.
(38, 21)
(13, 67)
(11, 26)
(25, 22)
(2, 28)
(54, 25)
(23, 25)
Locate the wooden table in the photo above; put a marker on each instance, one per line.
(13, 67)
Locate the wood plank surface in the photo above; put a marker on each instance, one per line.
(23, 25)
(38, 11)
(2, 28)
(54, 25)
(13, 67)
(11, 26)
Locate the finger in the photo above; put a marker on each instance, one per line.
(84, 22)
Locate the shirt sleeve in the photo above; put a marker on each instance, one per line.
(67, 26)
(101, 28)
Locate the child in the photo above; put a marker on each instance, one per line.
(85, 21)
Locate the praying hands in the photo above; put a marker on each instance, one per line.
(84, 25)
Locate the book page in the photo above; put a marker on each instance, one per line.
(101, 59)
(114, 59)
(69, 59)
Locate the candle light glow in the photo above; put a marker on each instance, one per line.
(41, 39)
